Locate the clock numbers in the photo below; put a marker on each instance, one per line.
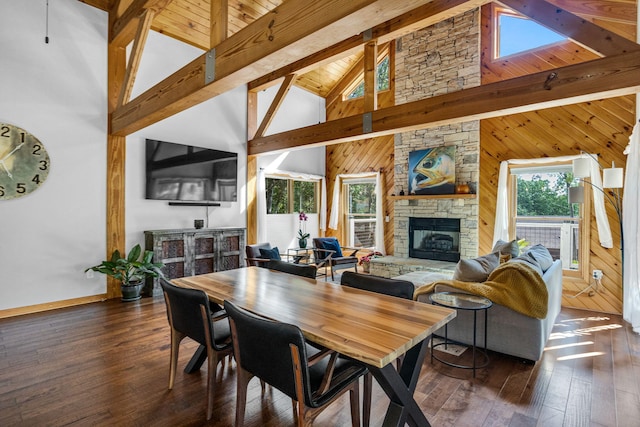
(24, 162)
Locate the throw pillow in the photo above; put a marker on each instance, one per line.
(542, 255)
(507, 248)
(332, 245)
(273, 253)
(477, 269)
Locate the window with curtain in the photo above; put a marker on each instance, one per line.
(543, 215)
(360, 213)
(285, 195)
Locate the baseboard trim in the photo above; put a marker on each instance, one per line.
(38, 308)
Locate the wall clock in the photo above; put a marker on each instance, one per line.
(24, 162)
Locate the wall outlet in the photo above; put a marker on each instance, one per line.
(597, 274)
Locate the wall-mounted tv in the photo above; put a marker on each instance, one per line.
(187, 173)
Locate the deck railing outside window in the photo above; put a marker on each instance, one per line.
(558, 234)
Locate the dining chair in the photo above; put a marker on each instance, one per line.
(278, 354)
(328, 250)
(297, 269)
(253, 257)
(382, 285)
(189, 315)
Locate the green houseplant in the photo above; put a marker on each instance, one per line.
(131, 270)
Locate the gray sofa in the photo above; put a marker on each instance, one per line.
(508, 331)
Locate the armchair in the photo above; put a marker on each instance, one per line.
(327, 250)
(260, 254)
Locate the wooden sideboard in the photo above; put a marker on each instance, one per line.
(190, 251)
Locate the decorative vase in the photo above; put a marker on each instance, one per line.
(463, 188)
(302, 243)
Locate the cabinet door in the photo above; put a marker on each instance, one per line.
(229, 250)
(172, 253)
(204, 254)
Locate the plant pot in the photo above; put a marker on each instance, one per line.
(302, 243)
(366, 267)
(131, 292)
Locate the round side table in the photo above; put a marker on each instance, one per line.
(461, 301)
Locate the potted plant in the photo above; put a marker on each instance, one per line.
(131, 270)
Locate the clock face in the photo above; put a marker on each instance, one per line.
(24, 163)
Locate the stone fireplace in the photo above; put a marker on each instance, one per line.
(428, 64)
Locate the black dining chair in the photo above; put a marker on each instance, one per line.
(297, 269)
(382, 285)
(190, 315)
(278, 354)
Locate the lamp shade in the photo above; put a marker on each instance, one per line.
(612, 178)
(576, 194)
(582, 167)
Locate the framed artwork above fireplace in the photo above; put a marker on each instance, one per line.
(432, 170)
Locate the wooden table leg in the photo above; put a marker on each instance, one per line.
(399, 386)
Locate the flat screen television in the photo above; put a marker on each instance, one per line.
(186, 173)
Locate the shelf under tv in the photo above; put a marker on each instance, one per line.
(195, 203)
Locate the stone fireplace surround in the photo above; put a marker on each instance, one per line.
(429, 64)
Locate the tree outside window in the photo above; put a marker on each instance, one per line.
(290, 196)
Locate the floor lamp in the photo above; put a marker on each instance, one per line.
(613, 179)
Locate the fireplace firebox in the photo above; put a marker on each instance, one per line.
(434, 238)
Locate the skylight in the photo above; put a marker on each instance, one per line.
(518, 34)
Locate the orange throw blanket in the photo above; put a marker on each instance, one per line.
(513, 284)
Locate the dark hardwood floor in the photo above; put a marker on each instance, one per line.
(108, 364)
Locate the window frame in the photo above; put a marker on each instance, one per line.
(499, 11)
(584, 221)
(290, 193)
(346, 207)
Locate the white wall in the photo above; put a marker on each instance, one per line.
(299, 108)
(57, 91)
(219, 123)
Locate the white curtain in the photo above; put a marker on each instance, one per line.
(335, 205)
(630, 218)
(262, 198)
(501, 228)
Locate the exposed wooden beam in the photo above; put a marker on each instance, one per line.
(100, 4)
(275, 104)
(601, 78)
(589, 35)
(616, 11)
(124, 27)
(290, 32)
(421, 17)
(219, 22)
(370, 72)
(135, 55)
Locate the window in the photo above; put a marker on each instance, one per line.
(382, 79)
(515, 34)
(288, 196)
(360, 213)
(543, 213)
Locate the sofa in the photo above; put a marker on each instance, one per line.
(508, 331)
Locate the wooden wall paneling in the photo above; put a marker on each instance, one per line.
(252, 170)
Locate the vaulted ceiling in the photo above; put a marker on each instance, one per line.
(190, 21)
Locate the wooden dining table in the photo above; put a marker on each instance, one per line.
(373, 328)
